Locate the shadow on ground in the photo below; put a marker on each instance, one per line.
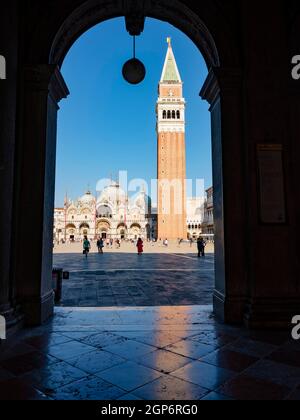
(130, 280)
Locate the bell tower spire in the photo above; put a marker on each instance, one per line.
(170, 73)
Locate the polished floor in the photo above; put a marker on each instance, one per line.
(158, 353)
(125, 279)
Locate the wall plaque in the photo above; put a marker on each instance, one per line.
(271, 184)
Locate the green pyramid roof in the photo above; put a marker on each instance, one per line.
(170, 71)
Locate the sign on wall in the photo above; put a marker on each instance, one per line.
(2, 328)
(2, 67)
(271, 184)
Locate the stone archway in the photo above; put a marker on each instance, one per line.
(84, 229)
(93, 12)
(45, 87)
(135, 231)
(103, 229)
(122, 231)
(71, 231)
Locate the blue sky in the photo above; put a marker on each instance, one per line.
(106, 125)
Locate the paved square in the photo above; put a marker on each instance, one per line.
(126, 279)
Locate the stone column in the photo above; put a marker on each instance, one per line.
(222, 89)
(8, 116)
(44, 87)
(274, 287)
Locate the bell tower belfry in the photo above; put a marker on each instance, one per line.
(171, 154)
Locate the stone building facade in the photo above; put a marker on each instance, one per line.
(114, 216)
(208, 222)
(111, 216)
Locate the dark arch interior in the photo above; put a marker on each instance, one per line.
(82, 20)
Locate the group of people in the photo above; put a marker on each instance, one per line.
(201, 244)
(164, 242)
(109, 244)
(101, 245)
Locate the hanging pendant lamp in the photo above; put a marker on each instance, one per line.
(134, 71)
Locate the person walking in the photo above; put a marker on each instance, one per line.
(86, 246)
(201, 247)
(100, 245)
(140, 246)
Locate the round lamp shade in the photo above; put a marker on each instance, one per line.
(134, 71)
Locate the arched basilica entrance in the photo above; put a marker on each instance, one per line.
(103, 229)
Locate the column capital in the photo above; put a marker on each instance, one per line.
(221, 80)
(48, 78)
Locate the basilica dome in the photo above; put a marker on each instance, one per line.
(87, 199)
(113, 194)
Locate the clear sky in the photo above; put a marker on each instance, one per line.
(107, 125)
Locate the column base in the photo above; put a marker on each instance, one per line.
(271, 313)
(229, 310)
(38, 310)
(14, 319)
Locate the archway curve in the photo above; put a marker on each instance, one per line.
(122, 226)
(93, 12)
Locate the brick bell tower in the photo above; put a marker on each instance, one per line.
(171, 155)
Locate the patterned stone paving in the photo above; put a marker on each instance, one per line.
(158, 353)
(130, 280)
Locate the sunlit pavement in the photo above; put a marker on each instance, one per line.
(129, 248)
(126, 279)
(159, 353)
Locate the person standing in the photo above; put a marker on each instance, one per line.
(140, 246)
(201, 247)
(100, 245)
(86, 246)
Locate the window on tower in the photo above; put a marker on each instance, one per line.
(178, 115)
(164, 115)
(169, 115)
(173, 115)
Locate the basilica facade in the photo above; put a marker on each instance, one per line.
(113, 215)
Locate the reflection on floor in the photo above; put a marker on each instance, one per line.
(150, 280)
(158, 353)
